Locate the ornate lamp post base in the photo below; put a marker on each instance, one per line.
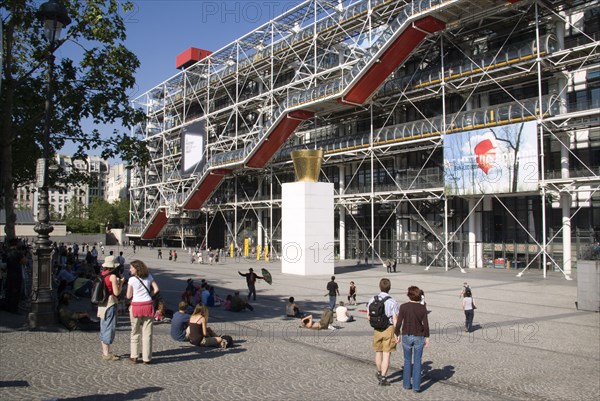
(43, 312)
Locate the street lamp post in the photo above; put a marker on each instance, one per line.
(54, 16)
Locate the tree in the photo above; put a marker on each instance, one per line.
(101, 212)
(121, 213)
(94, 88)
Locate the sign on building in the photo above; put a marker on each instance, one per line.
(492, 160)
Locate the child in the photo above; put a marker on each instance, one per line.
(159, 315)
(228, 303)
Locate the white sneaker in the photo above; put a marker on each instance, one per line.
(331, 327)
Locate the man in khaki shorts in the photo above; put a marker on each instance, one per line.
(384, 341)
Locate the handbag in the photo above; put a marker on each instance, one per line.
(155, 297)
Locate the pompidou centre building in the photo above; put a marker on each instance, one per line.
(457, 134)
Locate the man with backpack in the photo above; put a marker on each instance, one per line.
(382, 312)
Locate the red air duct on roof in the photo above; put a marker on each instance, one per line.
(190, 56)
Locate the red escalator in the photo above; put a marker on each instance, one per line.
(277, 137)
(358, 93)
(391, 59)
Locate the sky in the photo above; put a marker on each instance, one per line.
(159, 30)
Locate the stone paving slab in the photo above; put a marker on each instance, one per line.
(531, 343)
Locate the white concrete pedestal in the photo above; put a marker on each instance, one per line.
(307, 228)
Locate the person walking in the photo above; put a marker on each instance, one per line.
(141, 287)
(469, 308)
(333, 291)
(384, 340)
(251, 282)
(352, 294)
(108, 312)
(414, 327)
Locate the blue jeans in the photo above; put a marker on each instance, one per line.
(413, 352)
(332, 299)
(108, 325)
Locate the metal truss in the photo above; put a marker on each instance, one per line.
(305, 80)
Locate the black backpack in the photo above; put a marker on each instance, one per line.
(100, 291)
(377, 317)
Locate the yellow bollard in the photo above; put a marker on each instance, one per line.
(266, 253)
(257, 252)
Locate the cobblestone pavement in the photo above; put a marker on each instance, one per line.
(530, 344)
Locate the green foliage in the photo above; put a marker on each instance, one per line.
(92, 85)
(122, 213)
(101, 211)
(81, 225)
(99, 214)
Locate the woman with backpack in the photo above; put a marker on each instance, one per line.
(107, 312)
(141, 289)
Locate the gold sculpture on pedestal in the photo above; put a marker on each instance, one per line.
(307, 164)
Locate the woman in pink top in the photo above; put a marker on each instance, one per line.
(141, 288)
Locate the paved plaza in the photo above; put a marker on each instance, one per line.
(530, 344)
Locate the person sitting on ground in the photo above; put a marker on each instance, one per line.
(74, 320)
(200, 333)
(180, 322)
(191, 287)
(342, 315)
(82, 286)
(86, 269)
(204, 294)
(161, 314)
(308, 322)
(213, 299)
(238, 304)
(65, 278)
(227, 305)
(292, 309)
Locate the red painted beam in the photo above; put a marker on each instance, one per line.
(206, 188)
(392, 58)
(278, 136)
(301, 114)
(156, 225)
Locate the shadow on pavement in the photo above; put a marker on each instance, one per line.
(136, 394)
(432, 376)
(14, 383)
